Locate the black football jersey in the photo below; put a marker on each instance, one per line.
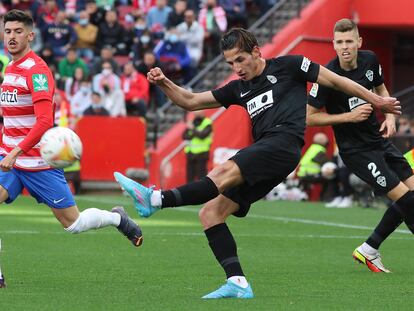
(275, 100)
(351, 137)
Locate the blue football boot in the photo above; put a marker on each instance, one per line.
(139, 193)
(230, 290)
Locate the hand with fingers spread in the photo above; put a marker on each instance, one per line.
(388, 127)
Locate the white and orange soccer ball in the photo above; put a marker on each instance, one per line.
(60, 147)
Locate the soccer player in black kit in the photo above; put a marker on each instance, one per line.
(362, 142)
(273, 92)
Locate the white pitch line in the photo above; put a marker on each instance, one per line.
(275, 218)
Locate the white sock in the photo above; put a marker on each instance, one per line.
(239, 280)
(93, 218)
(369, 249)
(156, 198)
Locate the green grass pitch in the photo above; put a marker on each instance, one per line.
(297, 256)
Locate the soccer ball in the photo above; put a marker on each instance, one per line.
(60, 147)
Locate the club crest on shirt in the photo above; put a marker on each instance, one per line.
(370, 75)
(381, 181)
(272, 79)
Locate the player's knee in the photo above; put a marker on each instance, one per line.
(208, 216)
(225, 175)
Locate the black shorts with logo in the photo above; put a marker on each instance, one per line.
(263, 165)
(382, 168)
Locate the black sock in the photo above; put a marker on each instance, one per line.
(405, 206)
(389, 222)
(194, 193)
(224, 247)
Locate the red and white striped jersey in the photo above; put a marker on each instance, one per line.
(25, 83)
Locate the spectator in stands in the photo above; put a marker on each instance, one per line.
(142, 44)
(111, 33)
(403, 125)
(144, 5)
(136, 90)
(73, 84)
(47, 55)
(46, 14)
(37, 43)
(214, 22)
(68, 65)
(174, 56)
(87, 33)
(309, 170)
(192, 34)
(59, 35)
(235, 12)
(96, 14)
(81, 100)
(97, 107)
(140, 26)
(108, 84)
(198, 136)
(150, 61)
(106, 55)
(176, 16)
(62, 109)
(158, 15)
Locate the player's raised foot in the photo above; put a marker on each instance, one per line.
(128, 227)
(2, 281)
(231, 290)
(373, 262)
(139, 193)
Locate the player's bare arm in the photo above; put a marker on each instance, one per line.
(181, 97)
(332, 80)
(318, 117)
(6, 164)
(388, 127)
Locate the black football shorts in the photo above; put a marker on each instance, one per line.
(382, 168)
(263, 165)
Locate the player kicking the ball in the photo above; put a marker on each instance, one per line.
(28, 109)
(273, 92)
(362, 142)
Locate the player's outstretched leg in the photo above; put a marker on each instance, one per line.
(128, 227)
(231, 290)
(372, 261)
(140, 194)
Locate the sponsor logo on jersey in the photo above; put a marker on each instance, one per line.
(9, 97)
(40, 82)
(305, 64)
(381, 181)
(245, 93)
(355, 102)
(380, 70)
(272, 79)
(314, 90)
(260, 103)
(370, 75)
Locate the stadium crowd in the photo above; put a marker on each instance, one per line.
(100, 51)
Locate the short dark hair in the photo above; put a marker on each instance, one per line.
(97, 94)
(238, 38)
(345, 25)
(18, 16)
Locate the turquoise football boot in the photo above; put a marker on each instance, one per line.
(230, 290)
(139, 193)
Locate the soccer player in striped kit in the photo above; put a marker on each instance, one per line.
(28, 110)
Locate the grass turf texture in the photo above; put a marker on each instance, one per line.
(296, 255)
